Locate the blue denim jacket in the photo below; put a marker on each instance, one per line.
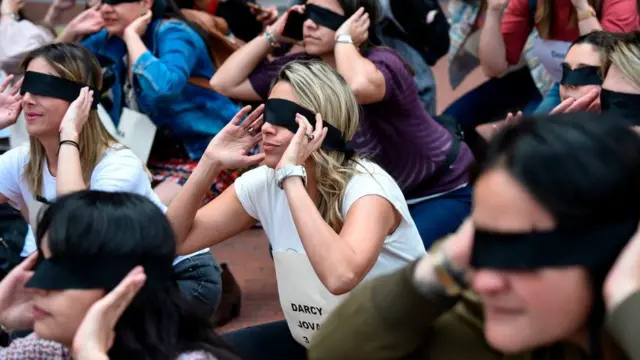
(187, 113)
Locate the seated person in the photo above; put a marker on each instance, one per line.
(70, 150)
(69, 274)
(332, 217)
(543, 261)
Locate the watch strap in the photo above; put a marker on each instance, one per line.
(344, 39)
(586, 13)
(289, 171)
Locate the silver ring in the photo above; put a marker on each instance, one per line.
(309, 136)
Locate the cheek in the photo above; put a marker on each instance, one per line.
(557, 301)
(67, 309)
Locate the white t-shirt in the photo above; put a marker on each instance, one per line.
(118, 170)
(304, 299)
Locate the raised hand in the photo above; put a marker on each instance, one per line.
(95, 335)
(229, 148)
(11, 6)
(278, 26)
(304, 142)
(139, 25)
(588, 102)
(10, 102)
(76, 115)
(16, 301)
(357, 26)
(87, 22)
(624, 276)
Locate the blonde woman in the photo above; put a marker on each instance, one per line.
(333, 219)
(70, 150)
(620, 92)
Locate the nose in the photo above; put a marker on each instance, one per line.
(309, 24)
(487, 281)
(268, 129)
(28, 98)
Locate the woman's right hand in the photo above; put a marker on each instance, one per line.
(10, 102)
(278, 27)
(16, 301)
(229, 148)
(87, 22)
(588, 102)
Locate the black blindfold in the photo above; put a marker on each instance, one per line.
(282, 112)
(623, 105)
(586, 75)
(55, 87)
(589, 247)
(95, 272)
(324, 17)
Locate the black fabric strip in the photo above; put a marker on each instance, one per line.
(587, 247)
(626, 106)
(325, 17)
(586, 75)
(283, 112)
(95, 272)
(56, 87)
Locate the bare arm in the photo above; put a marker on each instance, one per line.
(492, 52)
(232, 78)
(341, 260)
(364, 78)
(219, 220)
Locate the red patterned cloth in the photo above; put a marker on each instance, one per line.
(178, 171)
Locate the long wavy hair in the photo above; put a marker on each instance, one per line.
(321, 89)
(76, 63)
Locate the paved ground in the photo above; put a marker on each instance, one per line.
(248, 254)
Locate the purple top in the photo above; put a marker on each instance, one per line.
(397, 132)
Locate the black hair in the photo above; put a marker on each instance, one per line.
(583, 168)
(160, 323)
(599, 39)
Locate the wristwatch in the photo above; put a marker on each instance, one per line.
(344, 39)
(288, 171)
(586, 13)
(450, 277)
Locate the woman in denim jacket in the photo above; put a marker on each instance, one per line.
(150, 53)
(152, 56)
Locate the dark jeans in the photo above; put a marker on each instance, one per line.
(441, 216)
(492, 100)
(199, 277)
(268, 341)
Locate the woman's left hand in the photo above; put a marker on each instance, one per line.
(76, 115)
(139, 26)
(94, 337)
(624, 277)
(357, 26)
(304, 142)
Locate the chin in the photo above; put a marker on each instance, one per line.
(316, 49)
(502, 339)
(45, 329)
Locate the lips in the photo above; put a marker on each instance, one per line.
(38, 313)
(269, 147)
(31, 116)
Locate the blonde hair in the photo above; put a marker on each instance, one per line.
(75, 63)
(321, 89)
(544, 16)
(625, 55)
